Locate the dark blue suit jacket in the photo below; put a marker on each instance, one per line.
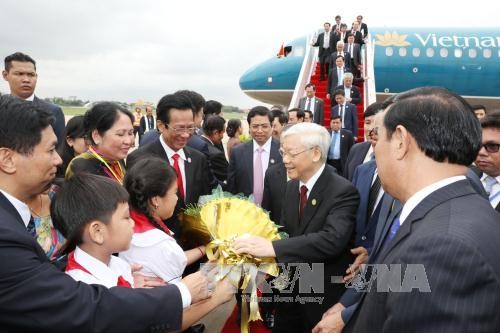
(365, 226)
(356, 157)
(36, 297)
(59, 123)
(240, 171)
(350, 118)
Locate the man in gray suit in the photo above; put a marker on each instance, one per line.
(444, 238)
(312, 103)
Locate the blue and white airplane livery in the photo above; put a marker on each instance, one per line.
(466, 61)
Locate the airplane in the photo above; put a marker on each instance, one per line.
(464, 60)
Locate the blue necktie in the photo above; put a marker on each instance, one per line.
(31, 227)
(394, 229)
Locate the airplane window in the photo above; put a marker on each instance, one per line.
(487, 53)
(416, 52)
(458, 53)
(389, 51)
(443, 52)
(472, 53)
(430, 52)
(402, 51)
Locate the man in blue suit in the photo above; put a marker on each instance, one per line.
(35, 295)
(347, 112)
(248, 162)
(20, 73)
(444, 226)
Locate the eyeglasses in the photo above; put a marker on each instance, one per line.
(264, 127)
(180, 130)
(491, 147)
(373, 131)
(292, 155)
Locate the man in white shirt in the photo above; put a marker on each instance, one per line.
(488, 159)
(325, 43)
(312, 103)
(446, 234)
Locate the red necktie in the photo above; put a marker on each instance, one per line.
(123, 283)
(303, 200)
(180, 185)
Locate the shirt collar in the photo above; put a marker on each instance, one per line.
(310, 183)
(483, 177)
(31, 98)
(170, 151)
(206, 137)
(418, 197)
(266, 146)
(97, 268)
(21, 207)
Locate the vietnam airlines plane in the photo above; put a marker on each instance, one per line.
(466, 61)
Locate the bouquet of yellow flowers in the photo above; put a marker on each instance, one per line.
(223, 217)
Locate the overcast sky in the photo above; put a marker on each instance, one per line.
(127, 50)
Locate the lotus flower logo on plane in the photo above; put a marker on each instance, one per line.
(392, 39)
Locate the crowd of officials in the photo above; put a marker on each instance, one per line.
(91, 236)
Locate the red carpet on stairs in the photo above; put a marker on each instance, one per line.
(321, 87)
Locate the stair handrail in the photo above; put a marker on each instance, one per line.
(308, 66)
(369, 72)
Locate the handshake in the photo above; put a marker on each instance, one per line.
(203, 285)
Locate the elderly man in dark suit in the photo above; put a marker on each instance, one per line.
(340, 143)
(20, 73)
(325, 42)
(352, 94)
(444, 228)
(36, 296)
(175, 122)
(312, 103)
(488, 159)
(248, 162)
(319, 214)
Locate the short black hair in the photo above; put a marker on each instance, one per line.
(18, 56)
(338, 17)
(327, 23)
(478, 107)
(74, 129)
(310, 85)
(232, 127)
(259, 111)
(282, 116)
(339, 92)
(212, 108)
(172, 101)
(22, 123)
(339, 56)
(309, 112)
(491, 120)
(82, 199)
(336, 117)
(196, 99)
(373, 109)
(213, 124)
(101, 117)
(441, 122)
(343, 25)
(300, 113)
(147, 178)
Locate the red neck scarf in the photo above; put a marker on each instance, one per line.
(142, 223)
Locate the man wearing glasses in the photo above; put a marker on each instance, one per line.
(488, 159)
(176, 125)
(248, 162)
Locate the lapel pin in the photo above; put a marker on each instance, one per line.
(313, 202)
(189, 159)
(271, 160)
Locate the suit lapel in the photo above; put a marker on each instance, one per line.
(7, 206)
(248, 157)
(292, 204)
(274, 156)
(189, 170)
(314, 201)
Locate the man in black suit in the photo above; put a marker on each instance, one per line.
(340, 51)
(488, 159)
(318, 215)
(248, 162)
(175, 121)
(363, 28)
(354, 59)
(147, 122)
(325, 43)
(336, 76)
(352, 94)
(341, 141)
(340, 36)
(20, 73)
(358, 36)
(362, 152)
(312, 103)
(445, 227)
(347, 112)
(214, 128)
(38, 297)
(274, 191)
